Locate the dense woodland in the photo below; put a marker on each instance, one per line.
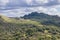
(34, 26)
(43, 18)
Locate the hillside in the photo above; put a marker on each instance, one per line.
(44, 18)
(25, 29)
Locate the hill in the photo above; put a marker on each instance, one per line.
(25, 29)
(44, 18)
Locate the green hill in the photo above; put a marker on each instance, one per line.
(25, 29)
(44, 18)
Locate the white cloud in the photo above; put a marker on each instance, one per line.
(52, 9)
(58, 1)
(28, 1)
(3, 2)
(42, 1)
(22, 11)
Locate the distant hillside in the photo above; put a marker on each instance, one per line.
(44, 18)
(26, 29)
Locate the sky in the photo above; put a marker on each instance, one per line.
(17, 8)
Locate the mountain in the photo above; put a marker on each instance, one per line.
(43, 18)
(27, 29)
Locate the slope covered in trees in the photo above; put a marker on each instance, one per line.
(44, 18)
(25, 29)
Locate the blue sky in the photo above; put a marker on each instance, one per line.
(18, 8)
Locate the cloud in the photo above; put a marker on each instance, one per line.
(13, 4)
(35, 2)
(26, 10)
(22, 7)
(3, 2)
(29, 3)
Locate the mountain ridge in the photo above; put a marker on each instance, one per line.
(43, 18)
